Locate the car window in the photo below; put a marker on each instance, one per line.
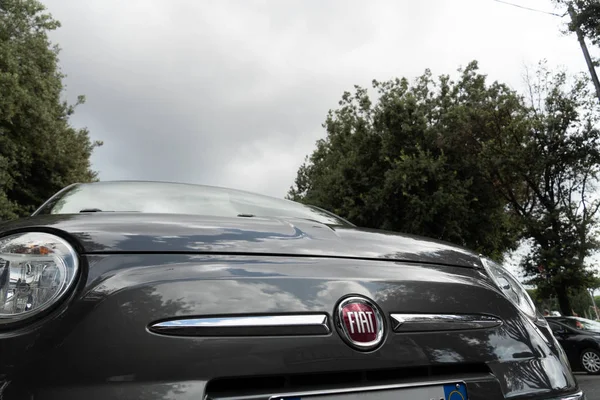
(582, 324)
(176, 198)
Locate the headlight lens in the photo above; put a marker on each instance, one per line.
(511, 288)
(36, 270)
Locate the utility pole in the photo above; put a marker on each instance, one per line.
(584, 48)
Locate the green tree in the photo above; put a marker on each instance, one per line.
(409, 162)
(597, 301)
(546, 166)
(581, 303)
(587, 17)
(39, 151)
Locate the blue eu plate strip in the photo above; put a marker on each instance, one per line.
(455, 392)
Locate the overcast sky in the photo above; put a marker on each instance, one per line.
(233, 93)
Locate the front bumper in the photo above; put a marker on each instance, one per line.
(97, 344)
(479, 388)
(574, 396)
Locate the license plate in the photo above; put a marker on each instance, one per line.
(453, 391)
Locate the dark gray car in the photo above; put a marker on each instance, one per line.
(146, 290)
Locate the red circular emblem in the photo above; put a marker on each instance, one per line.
(360, 323)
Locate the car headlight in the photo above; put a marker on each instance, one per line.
(36, 270)
(511, 288)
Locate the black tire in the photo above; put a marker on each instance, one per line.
(590, 361)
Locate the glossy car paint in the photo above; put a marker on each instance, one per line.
(139, 269)
(159, 233)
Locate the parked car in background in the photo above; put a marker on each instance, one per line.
(149, 290)
(580, 338)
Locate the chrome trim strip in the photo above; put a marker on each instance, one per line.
(442, 322)
(576, 396)
(249, 325)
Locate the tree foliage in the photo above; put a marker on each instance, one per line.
(409, 161)
(580, 300)
(548, 172)
(587, 17)
(471, 162)
(39, 151)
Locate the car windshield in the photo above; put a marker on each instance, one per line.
(178, 198)
(582, 324)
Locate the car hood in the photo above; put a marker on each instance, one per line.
(175, 233)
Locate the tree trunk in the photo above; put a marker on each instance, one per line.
(563, 300)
